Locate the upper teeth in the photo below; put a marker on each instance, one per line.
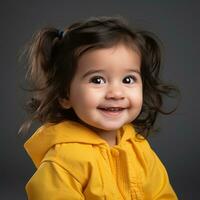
(113, 109)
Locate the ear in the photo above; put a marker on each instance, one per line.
(65, 103)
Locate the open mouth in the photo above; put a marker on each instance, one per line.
(111, 111)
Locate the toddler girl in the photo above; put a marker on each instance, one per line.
(96, 90)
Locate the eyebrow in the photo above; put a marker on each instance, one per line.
(133, 70)
(93, 71)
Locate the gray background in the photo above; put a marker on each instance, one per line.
(176, 23)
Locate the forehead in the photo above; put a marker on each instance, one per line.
(120, 55)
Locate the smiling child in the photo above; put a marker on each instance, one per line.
(97, 92)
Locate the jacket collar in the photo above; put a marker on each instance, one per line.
(68, 132)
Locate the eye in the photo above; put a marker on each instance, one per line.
(97, 80)
(129, 80)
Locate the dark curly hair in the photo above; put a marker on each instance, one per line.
(52, 61)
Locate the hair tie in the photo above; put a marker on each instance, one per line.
(60, 34)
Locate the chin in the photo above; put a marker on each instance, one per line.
(111, 127)
(105, 125)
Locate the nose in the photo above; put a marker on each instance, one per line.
(115, 92)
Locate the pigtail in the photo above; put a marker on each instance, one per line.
(40, 74)
(153, 87)
(39, 54)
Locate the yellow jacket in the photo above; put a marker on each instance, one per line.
(75, 163)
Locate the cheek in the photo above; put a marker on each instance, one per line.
(137, 98)
(85, 98)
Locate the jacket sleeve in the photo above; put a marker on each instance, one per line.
(53, 182)
(157, 185)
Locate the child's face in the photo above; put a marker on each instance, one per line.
(106, 91)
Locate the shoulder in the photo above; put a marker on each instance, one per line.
(147, 158)
(70, 153)
(143, 150)
(76, 158)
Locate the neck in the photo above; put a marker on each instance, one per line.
(109, 136)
